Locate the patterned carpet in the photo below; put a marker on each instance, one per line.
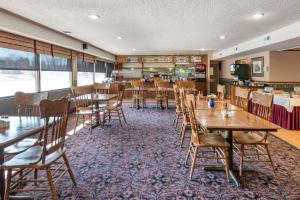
(144, 161)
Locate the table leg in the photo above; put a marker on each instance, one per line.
(2, 178)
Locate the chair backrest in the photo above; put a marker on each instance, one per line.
(55, 114)
(262, 104)
(137, 83)
(221, 91)
(101, 88)
(176, 96)
(197, 129)
(83, 97)
(121, 89)
(28, 104)
(162, 87)
(242, 97)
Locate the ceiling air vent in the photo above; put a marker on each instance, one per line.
(267, 38)
(236, 48)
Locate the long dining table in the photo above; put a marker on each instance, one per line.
(236, 120)
(19, 128)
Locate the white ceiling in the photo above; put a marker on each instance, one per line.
(159, 26)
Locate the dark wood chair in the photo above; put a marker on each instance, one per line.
(101, 88)
(253, 146)
(205, 145)
(138, 94)
(48, 154)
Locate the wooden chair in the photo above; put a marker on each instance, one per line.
(161, 97)
(101, 88)
(242, 97)
(115, 111)
(204, 145)
(178, 111)
(221, 91)
(138, 94)
(27, 105)
(84, 104)
(44, 156)
(254, 144)
(185, 117)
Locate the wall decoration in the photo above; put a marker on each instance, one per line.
(257, 67)
(182, 59)
(196, 59)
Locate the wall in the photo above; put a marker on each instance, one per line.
(17, 25)
(225, 70)
(285, 66)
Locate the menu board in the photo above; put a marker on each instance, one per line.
(157, 59)
(182, 59)
(196, 59)
(132, 59)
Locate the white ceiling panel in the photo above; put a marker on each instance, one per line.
(159, 26)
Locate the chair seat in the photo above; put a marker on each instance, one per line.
(31, 156)
(20, 146)
(248, 138)
(209, 140)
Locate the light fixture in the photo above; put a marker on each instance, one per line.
(222, 37)
(94, 17)
(133, 49)
(202, 49)
(258, 15)
(67, 32)
(119, 37)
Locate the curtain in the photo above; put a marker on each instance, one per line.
(53, 63)
(83, 66)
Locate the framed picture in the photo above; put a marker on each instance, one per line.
(257, 67)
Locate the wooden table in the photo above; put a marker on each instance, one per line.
(219, 105)
(100, 98)
(20, 128)
(237, 121)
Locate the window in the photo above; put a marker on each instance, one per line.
(56, 72)
(18, 72)
(109, 69)
(100, 71)
(85, 73)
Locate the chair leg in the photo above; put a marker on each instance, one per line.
(69, 169)
(182, 134)
(188, 154)
(91, 121)
(175, 120)
(123, 115)
(226, 164)
(35, 176)
(119, 117)
(241, 160)
(8, 181)
(193, 162)
(51, 184)
(77, 117)
(269, 155)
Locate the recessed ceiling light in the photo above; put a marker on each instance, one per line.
(119, 37)
(133, 49)
(222, 37)
(94, 16)
(202, 49)
(67, 32)
(258, 15)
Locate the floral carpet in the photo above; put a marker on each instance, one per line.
(143, 160)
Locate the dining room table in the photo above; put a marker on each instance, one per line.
(19, 128)
(219, 105)
(229, 121)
